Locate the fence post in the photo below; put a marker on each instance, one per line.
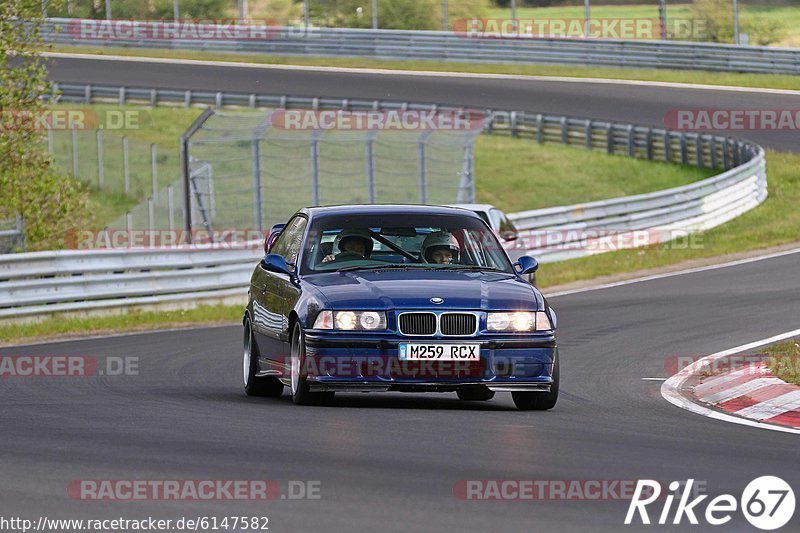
(631, 141)
(512, 117)
(712, 146)
(698, 150)
(126, 171)
(726, 157)
(315, 168)
(370, 145)
(74, 152)
(650, 144)
(100, 175)
(564, 131)
(684, 150)
(256, 167)
(423, 167)
(128, 222)
(610, 138)
(154, 170)
(171, 207)
(150, 220)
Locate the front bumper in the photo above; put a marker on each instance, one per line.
(347, 362)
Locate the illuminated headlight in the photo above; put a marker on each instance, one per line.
(519, 321)
(351, 320)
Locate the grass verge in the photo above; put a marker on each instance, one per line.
(773, 223)
(770, 81)
(784, 360)
(65, 327)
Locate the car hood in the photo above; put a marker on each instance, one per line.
(413, 289)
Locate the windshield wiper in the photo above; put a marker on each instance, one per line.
(470, 267)
(379, 267)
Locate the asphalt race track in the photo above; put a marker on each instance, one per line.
(639, 104)
(390, 462)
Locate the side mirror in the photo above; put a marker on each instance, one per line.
(526, 265)
(274, 233)
(276, 263)
(509, 235)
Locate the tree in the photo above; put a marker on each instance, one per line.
(51, 204)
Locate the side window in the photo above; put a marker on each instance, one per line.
(496, 219)
(288, 243)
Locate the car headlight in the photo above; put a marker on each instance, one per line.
(351, 320)
(518, 321)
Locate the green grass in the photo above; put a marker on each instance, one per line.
(771, 81)
(516, 174)
(773, 223)
(784, 360)
(132, 321)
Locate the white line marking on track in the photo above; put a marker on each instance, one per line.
(654, 379)
(670, 389)
(425, 73)
(677, 273)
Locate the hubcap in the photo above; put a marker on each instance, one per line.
(296, 364)
(246, 357)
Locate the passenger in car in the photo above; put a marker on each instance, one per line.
(440, 247)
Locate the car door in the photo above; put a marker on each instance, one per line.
(271, 289)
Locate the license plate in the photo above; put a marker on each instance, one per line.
(439, 352)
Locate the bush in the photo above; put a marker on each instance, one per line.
(718, 17)
(395, 14)
(139, 9)
(50, 203)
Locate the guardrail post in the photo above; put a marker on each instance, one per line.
(698, 147)
(218, 100)
(128, 222)
(726, 156)
(74, 152)
(153, 98)
(251, 101)
(684, 150)
(370, 146)
(564, 131)
(150, 220)
(187, 99)
(154, 170)
(256, 166)
(87, 94)
(588, 135)
(126, 171)
(610, 138)
(631, 141)
(512, 117)
(315, 104)
(100, 175)
(667, 147)
(649, 144)
(540, 128)
(315, 168)
(712, 146)
(122, 95)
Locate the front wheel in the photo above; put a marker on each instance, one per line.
(539, 401)
(301, 394)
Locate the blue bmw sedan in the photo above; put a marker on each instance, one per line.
(396, 298)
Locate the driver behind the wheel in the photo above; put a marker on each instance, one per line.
(352, 244)
(440, 247)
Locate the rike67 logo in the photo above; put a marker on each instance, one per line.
(767, 502)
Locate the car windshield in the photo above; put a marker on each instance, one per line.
(402, 241)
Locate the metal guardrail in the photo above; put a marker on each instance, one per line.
(46, 282)
(454, 46)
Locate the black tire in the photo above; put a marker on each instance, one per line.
(475, 394)
(253, 385)
(540, 401)
(301, 394)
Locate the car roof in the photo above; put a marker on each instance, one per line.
(385, 209)
(474, 207)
